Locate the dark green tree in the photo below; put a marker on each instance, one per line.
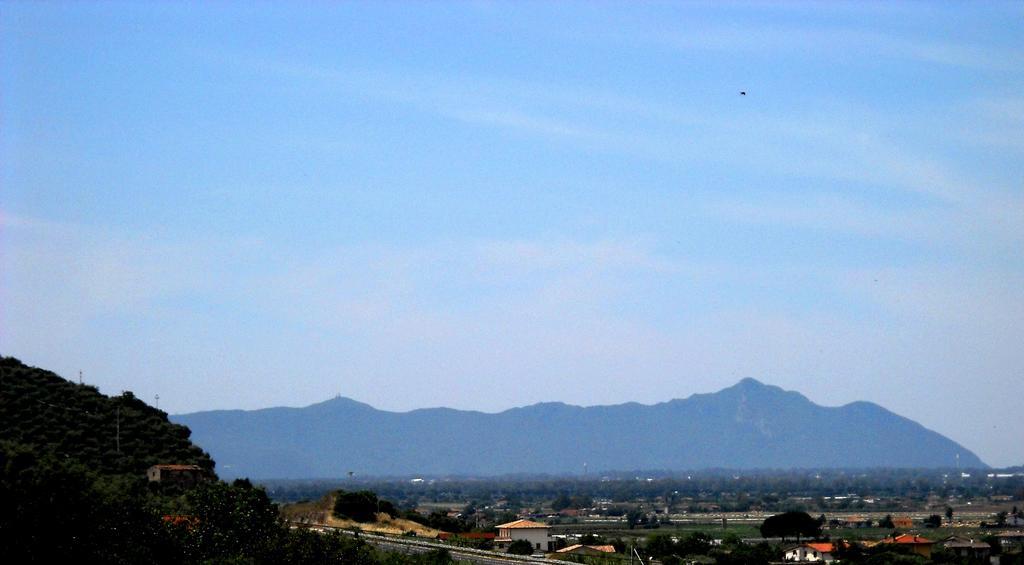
(660, 545)
(233, 521)
(698, 543)
(760, 554)
(304, 546)
(791, 524)
(361, 506)
(636, 518)
(561, 502)
(520, 547)
(54, 509)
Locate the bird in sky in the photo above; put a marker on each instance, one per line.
(743, 93)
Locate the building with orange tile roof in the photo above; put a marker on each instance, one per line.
(917, 544)
(811, 552)
(533, 532)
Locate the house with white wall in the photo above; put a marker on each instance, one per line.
(810, 552)
(533, 532)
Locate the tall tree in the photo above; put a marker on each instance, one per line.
(791, 524)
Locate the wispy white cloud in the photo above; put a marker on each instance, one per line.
(835, 43)
(844, 144)
(829, 213)
(1004, 108)
(520, 121)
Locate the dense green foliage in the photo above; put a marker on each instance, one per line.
(68, 495)
(791, 525)
(53, 508)
(112, 435)
(564, 501)
(361, 506)
(698, 545)
(520, 547)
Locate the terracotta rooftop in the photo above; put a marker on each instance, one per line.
(909, 539)
(522, 524)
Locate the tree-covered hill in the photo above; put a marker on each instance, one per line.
(69, 494)
(119, 435)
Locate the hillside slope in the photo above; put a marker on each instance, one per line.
(748, 425)
(110, 435)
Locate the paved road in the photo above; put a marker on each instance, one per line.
(394, 547)
(415, 546)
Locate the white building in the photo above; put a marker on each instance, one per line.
(533, 532)
(810, 552)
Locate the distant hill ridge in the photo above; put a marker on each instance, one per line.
(746, 426)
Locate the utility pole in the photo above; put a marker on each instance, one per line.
(79, 376)
(118, 435)
(157, 401)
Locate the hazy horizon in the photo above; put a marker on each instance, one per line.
(486, 205)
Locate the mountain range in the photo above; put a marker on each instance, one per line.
(749, 425)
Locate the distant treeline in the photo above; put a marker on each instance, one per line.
(772, 489)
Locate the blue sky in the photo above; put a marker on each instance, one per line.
(484, 205)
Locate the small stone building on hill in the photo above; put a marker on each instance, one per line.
(183, 475)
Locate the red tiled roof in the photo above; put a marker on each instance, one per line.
(909, 539)
(822, 546)
(181, 520)
(522, 524)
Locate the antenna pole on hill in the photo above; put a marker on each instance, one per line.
(157, 398)
(118, 434)
(79, 376)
